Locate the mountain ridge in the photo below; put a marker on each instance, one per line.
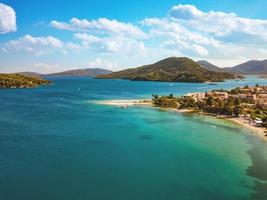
(253, 67)
(86, 72)
(172, 69)
(209, 66)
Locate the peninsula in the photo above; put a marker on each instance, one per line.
(246, 105)
(173, 69)
(21, 81)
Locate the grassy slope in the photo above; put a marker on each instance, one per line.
(20, 81)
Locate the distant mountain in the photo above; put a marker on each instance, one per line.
(205, 64)
(173, 69)
(29, 73)
(89, 72)
(251, 67)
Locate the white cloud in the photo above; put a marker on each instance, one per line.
(42, 67)
(111, 45)
(177, 37)
(7, 19)
(185, 12)
(100, 63)
(34, 45)
(218, 23)
(100, 26)
(223, 38)
(208, 35)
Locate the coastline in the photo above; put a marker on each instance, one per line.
(257, 131)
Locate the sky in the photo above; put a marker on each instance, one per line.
(55, 35)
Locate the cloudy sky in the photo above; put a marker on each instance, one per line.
(54, 35)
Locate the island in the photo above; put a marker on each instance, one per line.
(173, 69)
(21, 81)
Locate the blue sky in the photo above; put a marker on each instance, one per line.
(49, 36)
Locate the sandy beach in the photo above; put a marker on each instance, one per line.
(258, 131)
(125, 103)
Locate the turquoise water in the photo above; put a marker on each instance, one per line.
(55, 143)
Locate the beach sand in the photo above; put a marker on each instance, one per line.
(258, 131)
(134, 102)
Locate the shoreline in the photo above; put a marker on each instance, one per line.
(257, 131)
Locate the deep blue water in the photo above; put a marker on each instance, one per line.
(56, 143)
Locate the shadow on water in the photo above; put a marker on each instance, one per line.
(145, 137)
(258, 169)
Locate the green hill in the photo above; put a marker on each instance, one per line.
(20, 81)
(173, 69)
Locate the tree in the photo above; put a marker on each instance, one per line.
(210, 101)
(237, 101)
(237, 111)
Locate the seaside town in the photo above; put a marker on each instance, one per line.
(248, 104)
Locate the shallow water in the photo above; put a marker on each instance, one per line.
(55, 143)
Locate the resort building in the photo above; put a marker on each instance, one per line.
(248, 97)
(262, 100)
(219, 95)
(197, 96)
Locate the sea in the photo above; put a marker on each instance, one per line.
(57, 143)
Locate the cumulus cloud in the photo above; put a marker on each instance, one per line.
(111, 45)
(101, 63)
(185, 12)
(177, 37)
(100, 26)
(218, 23)
(46, 67)
(7, 19)
(34, 45)
(193, 32)
(185, 31)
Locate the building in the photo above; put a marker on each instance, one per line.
(261, 98)
(219, 95)
(196, 96)
(248, 97)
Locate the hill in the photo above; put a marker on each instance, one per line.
(89, 72)
(205, 64)
(173, 69)
(251, 67)
(20, 81)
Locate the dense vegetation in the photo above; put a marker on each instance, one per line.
(20, 81)
(171, 70)
(234, 106)
(210, 105)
